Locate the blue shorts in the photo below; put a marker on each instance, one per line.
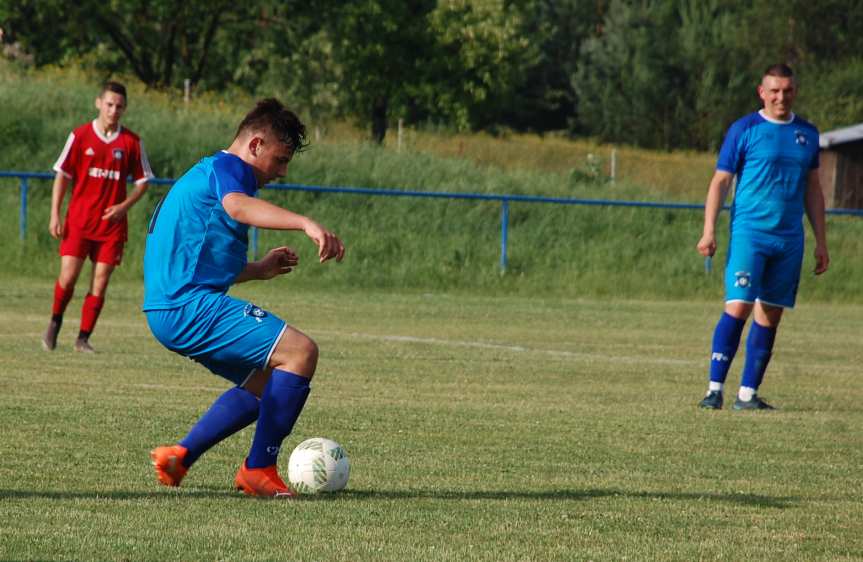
(231, 337)
(763, 268)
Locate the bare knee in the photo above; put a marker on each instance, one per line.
(308, 354)
(296, 353)
(768, 315)
(738, 309)
(70, 269)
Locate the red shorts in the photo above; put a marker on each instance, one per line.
(103, 251)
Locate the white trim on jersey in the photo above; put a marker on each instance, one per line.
(110, 138)
(63, 155)
(145, 165)
(763, 114)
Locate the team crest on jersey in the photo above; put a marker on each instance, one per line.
(118, 154)
(801, 138)
(742, 279)
(255, 312)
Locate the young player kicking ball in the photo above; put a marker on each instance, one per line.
(196, 250)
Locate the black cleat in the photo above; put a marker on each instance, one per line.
(755, 404)
(83, 346)
(49, 338)
(713, 401)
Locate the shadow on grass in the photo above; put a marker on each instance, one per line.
(204, 492)
(754, 500)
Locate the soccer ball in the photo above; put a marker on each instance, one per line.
(318, 465)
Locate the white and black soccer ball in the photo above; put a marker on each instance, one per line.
(318, 465)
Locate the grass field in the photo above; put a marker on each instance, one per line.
(479, 428)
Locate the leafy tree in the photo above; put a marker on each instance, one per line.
(381, 46)
(831, 95)
(161, 41)
(554, 30)
(718, 88)
(656, 73)
(630, 81)
(38, 26)
(478, 64)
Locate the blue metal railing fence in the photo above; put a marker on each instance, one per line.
(504, 200)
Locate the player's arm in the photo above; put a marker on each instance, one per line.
(278, 261)
(58, 192)
(814, 204)
(716, 194)
(263, 214)
(118, 211)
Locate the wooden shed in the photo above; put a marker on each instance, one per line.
(841, 171)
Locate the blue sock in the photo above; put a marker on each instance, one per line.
(726, 340)
(759, 346)
(231, 412)
(281, 403)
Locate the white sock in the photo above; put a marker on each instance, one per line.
(715, 386)
(745, 393)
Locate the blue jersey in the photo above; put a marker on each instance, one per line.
(772, 161)
(193, 246)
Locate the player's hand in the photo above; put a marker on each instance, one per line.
(822, 259)
(114, 213)
(55, 227)
(329, 245)
(707, 245)
(278, 261)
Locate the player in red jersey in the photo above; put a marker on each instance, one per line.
(98, 158)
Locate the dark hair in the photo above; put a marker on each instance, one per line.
(270, 115)
(116, 87)
(780, 70)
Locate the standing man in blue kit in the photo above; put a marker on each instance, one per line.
(774, 154)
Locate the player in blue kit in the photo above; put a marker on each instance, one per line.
(774, 155)
(196, 250)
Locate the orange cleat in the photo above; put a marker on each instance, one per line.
(168, 462)
(263, 482)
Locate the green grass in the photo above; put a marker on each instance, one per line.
(479, 428)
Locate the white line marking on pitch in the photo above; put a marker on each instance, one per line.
(512, 348)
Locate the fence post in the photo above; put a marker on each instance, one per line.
(504, 232)
(22, 215)
(613, 164)
(187, 90)
(400, 135)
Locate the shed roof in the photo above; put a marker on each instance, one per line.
(841, 136)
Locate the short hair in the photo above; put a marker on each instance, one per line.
(116, 87)
(780, 70)
(269, 115)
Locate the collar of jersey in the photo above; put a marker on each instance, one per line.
(110, 138)
(776, 121)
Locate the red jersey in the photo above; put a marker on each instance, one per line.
(99, 166)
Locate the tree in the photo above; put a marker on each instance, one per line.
(161, 41)
(630, 82)
(478, 63)
(554, 31)
(381, 46)
(719, 88)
